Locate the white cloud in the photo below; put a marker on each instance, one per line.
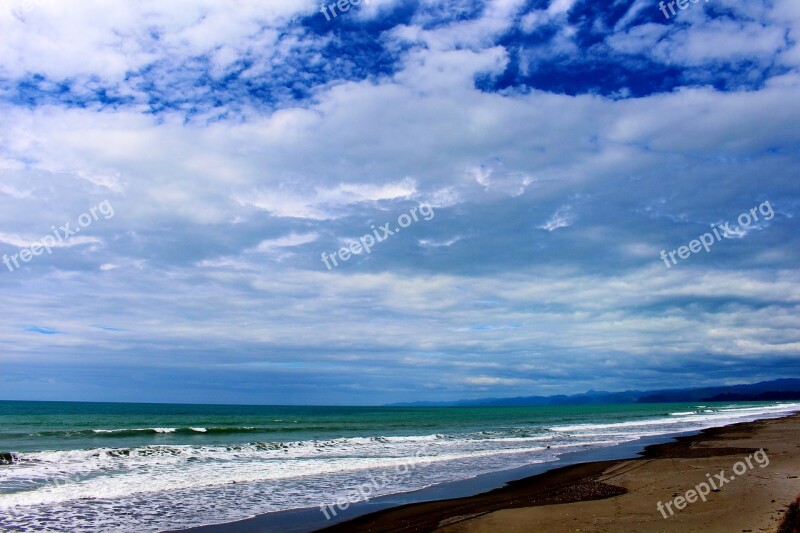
(86, 39)
(112, 183)
(287, 241)
(325, 203)
(439, 244)
(26, 242)
(699, 40)
(199, 197)
(12, 191)
(492, 381)
(562, 218)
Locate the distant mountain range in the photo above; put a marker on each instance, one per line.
(777, 390)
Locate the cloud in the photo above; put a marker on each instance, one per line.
(439, 244)
(492, 381)
(42, 331)
(562, 218)
(237, 145)
(11, 191)
(22, 242)
(325, 203)
(288, 241)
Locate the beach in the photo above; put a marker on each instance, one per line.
(623, 495)
(453, 266)
(161, 467)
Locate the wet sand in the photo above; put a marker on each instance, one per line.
(623, 495)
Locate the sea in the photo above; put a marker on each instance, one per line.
(90, 467)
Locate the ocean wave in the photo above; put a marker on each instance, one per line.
(155, 477)
(687, 421)
(274, 473)
(189, 430)
(108, 456)
(126, 432)
(135, 430)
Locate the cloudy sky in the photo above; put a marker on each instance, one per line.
(561, 144)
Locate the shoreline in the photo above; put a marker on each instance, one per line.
(570, 478)
(589, 496)
(311, 519)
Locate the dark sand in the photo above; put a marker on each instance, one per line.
(591, 495)
(622, 495)
(306, 520)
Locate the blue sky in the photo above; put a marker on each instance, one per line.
(562, 145)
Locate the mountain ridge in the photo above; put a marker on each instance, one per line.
(774, 390)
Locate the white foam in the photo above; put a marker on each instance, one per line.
(284, 475)
(693, 420)
(125, 430)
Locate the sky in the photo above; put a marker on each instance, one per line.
(211, 152)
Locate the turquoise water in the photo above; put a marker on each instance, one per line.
(36, 426)
(149, 467)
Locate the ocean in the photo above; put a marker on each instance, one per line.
(89, 467)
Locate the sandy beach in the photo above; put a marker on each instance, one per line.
(753, 468)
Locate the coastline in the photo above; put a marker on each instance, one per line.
(622, 495)
(467, 505)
